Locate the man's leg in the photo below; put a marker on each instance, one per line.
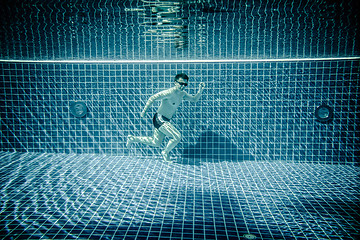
(154, 141)
(175, 136)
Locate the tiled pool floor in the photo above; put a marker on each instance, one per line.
(65, 196)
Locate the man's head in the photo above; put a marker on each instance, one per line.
(182, 79)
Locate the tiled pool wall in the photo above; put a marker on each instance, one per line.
(248, 111)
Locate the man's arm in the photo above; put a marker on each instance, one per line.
(196, 97)
(152, 99)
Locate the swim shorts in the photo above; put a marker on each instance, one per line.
(159, 120)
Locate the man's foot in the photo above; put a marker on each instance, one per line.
(130, 140)
(166, 156)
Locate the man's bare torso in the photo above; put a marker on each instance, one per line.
(170, 102)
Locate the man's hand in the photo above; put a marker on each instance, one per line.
(201, 86)
(142, 114)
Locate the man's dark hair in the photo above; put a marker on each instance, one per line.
(181, 75)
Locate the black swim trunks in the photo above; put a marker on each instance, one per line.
(159, 120)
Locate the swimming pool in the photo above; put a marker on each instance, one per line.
(257, 157)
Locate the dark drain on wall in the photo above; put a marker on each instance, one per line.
(78, 109)
(324, 113)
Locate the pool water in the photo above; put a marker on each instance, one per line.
(257, 160)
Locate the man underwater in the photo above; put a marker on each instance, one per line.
(170, 101)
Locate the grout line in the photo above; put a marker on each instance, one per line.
(183, 61)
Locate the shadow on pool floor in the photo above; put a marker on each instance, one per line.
(213, 147)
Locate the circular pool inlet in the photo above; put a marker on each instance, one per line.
(324, 113)
(78, 109)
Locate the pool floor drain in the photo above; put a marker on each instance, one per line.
(249, 236)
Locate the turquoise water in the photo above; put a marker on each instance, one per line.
(253, 162)
(192, 29)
